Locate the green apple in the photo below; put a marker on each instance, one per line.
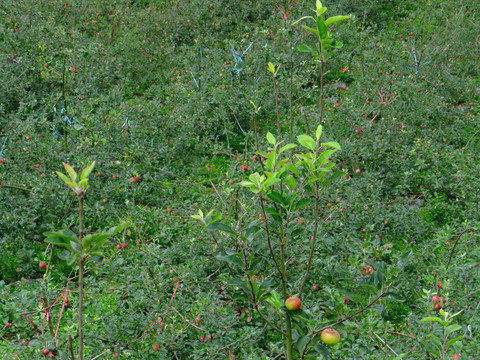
(330, 336)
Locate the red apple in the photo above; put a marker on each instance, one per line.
(437, 307)
(293, 303)
(202, 338)
(315, 287)
(209, 337)
(8, 324)
(197, 320)
(124, 245)
(115, 355)
(42, 264)
(156, 347)
(45, 352)
(436, 299)
(119, 246)
(345, 299)
(330, 336)
(133, 179)
(439, 285)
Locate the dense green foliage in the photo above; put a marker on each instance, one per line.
(163, 91)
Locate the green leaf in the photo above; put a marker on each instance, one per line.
(65, 255)
(318, 133)
(453, 328)
(302, 203)
(336, 44)
(319, 5)
(83, 183)
(274, 299)
(306, 141)
(292, 168)
(233, 259)
(435, 340)
(271, 68)
(302, 18)
(322, 349)
(305, 48)
(102, 236)
(431, 318)
(270, 138)
(277, 198)
(291, 183)
(404, 259)
(74, 245)
(333, 19)
(301, 343)
(87, 171)
(322, 10)
(453, 341)
(218, 226)
(239, 283)
(286, 147)
(322, 28)
(315, 31)
(332, 144)
(58, 241)
(70, 171)
(63, 177)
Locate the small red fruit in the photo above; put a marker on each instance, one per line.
(115, 355)
(67, 303)
(209, 337)
(119, 246)
(8, 324)
(330, 336)
(249, 319)
(133, 180)
(315, 287)
(124, 245)
(437, 307)
(197, 320)
(436, 299)
(137, 178)
(293, 303)
(202, 338)
(345, 299)
(45, 352)
(439, 285)
(42, 264)
(156, 347)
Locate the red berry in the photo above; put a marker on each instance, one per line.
(45, 352)
(8, 324)
(42, 264)
(314, 287)
(202, 338)
(119, 246)
(156, 347)
(437, 307)
(345, 299)
(439, 285)
(137, 178)
(197, 320)
(133, 179)
(436, 299)
(124, 245)
(115, 355)
(209, 337)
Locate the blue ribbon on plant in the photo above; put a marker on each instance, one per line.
(417, 62)
(3, 147)
(238, 57)
(197, 79)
